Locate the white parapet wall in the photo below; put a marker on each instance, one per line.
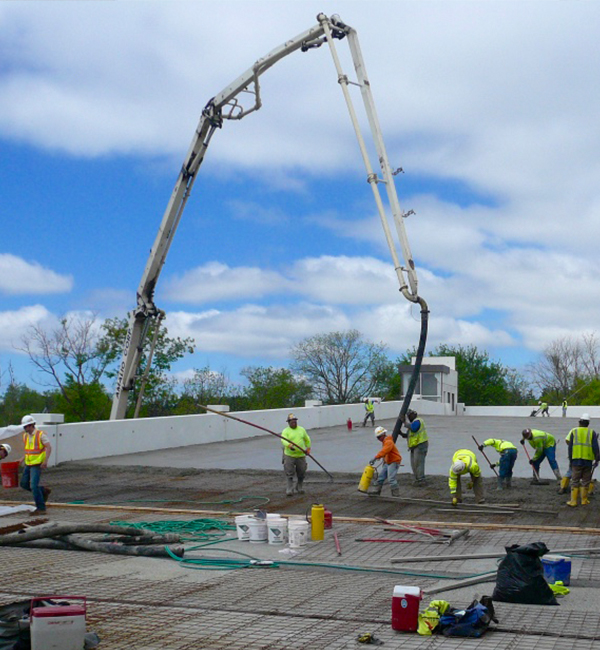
(87, 440)
(555, 411)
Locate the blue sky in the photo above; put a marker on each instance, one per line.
(490, 107)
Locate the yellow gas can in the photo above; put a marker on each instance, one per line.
(366, 478)
(317, 518)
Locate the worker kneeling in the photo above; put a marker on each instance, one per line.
(391, 462)
(464, 461)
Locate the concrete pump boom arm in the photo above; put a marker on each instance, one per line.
(228, 105)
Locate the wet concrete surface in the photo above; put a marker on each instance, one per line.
(340, 450)
(155, 604)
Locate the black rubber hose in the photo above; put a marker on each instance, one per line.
(417, 369)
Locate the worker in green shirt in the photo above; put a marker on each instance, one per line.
(296, 444)
(508, 456)
(544, 445)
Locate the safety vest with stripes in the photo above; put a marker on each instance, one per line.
(35, 450)
(471, 467)
(581, 443)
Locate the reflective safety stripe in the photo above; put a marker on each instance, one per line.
(35, 450)
(582, 444)
(471, 467)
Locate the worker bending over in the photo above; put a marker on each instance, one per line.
(544, 409)
(464, 461)
(508, 456)
(545, 447)
(418, 444)
(583, 455)
(296, 444)
(391, 462)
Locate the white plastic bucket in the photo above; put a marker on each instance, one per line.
(297, 532)
(277, 530)
(242, 526)
(258, 530)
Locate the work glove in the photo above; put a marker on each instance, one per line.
(470, 485)
(531, 462)
(492, 465)
(372, 461)
(522, 441)
(454, 501)
(480, 447)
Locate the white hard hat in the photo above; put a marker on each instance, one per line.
(380, 431)
(6, 446)
(458, 467)
(585, 417)
(26, 420)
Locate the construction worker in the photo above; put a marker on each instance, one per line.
(37, 453)
(584, 455)
(391, 462)
(464, 461)
(5, 449)
(296, 444)
(545, 447)
(564, 406)
(418, 444)
(369, 412)
(508, 456)
(543, 409)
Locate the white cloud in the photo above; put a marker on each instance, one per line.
(254, 330)
(20, 277)
(215, 281)
(14, 324)
(498, 98)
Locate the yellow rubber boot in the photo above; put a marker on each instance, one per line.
(590, 488)
(564, 484)
(574, 495)
(584, 500)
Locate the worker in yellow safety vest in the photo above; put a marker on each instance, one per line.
(37, 453)
(464, 462)
(508, 456)
(418, 444)
(369, 412)
(545, 447)
(584, 454)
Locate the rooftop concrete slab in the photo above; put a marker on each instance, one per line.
(340, 450)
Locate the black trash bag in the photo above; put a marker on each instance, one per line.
(521, 578)
(473, 621)
(14, 626)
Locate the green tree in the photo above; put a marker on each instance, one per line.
(160, 393)
(481, 381)
(18, 400)
(82, 402)
(271, 388)
(81, 353)
(342, 367)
